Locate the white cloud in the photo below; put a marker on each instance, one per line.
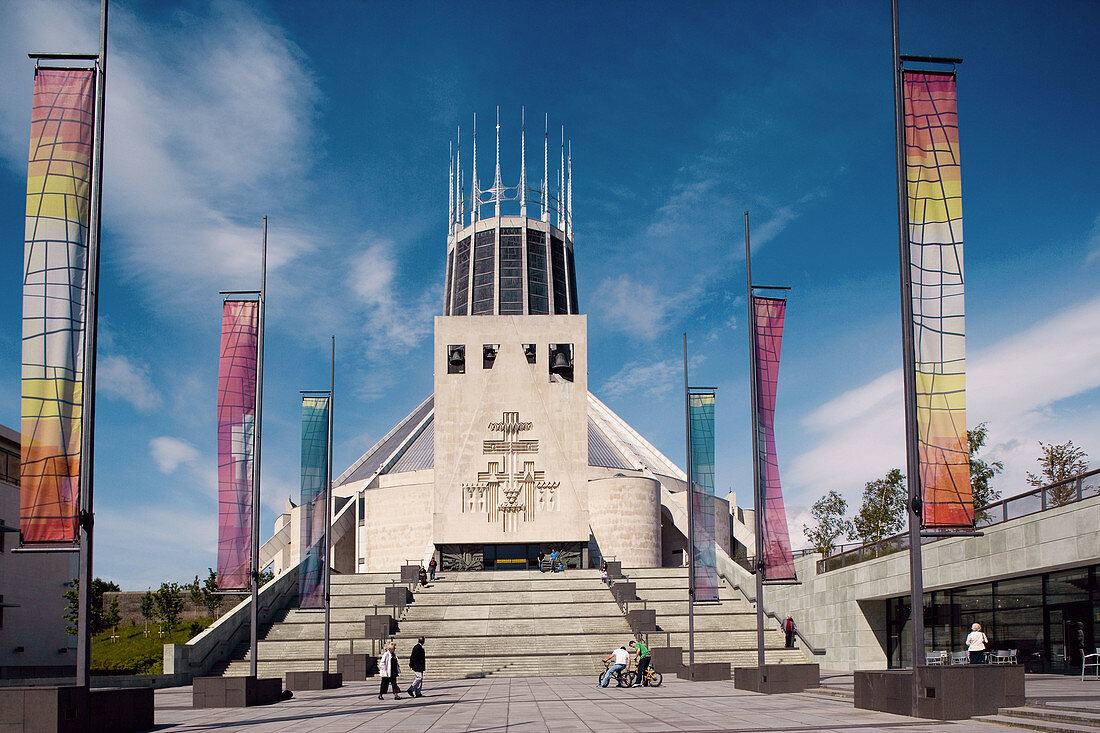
(633, 307)
(1093, 242)
(145, 546)
(392, 321)
(170, 453)
(125, 379)
(645, 380)
(1012, 386)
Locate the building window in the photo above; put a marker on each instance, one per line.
(557, 266)
(511, 271)
(484, 244)
(571, 273)
(561, 362)
(538, 298)
(9, 467)
(531, 352)
(450, 283)
(489, 355)
(462, 277)
(456, 359)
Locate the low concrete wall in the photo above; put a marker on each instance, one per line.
(846, 608)
(197, 657)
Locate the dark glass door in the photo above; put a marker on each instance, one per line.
(1070, 632)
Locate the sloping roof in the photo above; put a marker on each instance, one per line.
(411, 446)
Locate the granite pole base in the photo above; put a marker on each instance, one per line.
(314, 680)
(946, 693)
(235, 692)
(72, 709)
(705, 672)
(777, 678)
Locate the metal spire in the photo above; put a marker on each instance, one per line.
(475, 204)
(546, 167)
(523, 162)
(561, 183)
(460, 215)
(498, 189)
(450, 188)
(569, 195)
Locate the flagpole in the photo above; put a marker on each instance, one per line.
(87, 411)
(913, 508)
(255, 562)
(691, 518)
(758, 518)
(328, 500)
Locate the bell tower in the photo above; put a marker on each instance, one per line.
(510, 359)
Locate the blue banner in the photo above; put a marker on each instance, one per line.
(704, 581)
(315, 415)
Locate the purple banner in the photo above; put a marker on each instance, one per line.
(775, 544)
(315, 416)
(704, 581)
(236, 440)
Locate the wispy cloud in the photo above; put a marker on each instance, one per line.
(649, 381)
(170, 453)
(393, 321)
(127, 379)
(1093, 242)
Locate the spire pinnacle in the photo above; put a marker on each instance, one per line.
(475, 204)
(498, 187)
(545, 167)
(450, 187)
(460, 215)
(561, 183)
(569, 195)
(523, 162)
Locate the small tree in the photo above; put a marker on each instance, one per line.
(148, 609)
(97, 620)
(828, 512)
(981, 473)
(168, 602)
(113, 617)
(266, 576)
(206, 594)
(883, 510)
(1059, 462)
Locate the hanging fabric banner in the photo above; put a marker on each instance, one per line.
(704, 582)
(55, 272)
(936, 269)
(314, 517)
(768, 314)
(236, 443)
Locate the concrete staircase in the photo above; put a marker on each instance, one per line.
(1053, 720)
(724, 631)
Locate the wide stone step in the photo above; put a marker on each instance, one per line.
(1048, 726)
(565, 595)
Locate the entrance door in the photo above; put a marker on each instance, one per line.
(511, 557)
(1070, 633)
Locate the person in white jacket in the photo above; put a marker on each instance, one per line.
(975, 644)
(389, 669)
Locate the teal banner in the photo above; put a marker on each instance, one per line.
(704, 580)
(315, 514)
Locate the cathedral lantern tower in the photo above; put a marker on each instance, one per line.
(510, 359)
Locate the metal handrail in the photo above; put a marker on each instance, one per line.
(992, 514)
(752, 599)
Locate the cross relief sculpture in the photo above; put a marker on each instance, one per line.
(510, 488)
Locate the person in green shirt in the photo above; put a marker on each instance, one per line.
(641, 656)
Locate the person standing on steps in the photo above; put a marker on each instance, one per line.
(788, 632)
(388, 669)
(416, 664)
(431, 569)
(641, 661)
(542, 559)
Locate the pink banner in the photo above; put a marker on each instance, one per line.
(236, 440)
(768, 315)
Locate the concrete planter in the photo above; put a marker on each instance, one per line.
(314, 680)
(642, 620)
(946, 693)
(71, 709)
(777, 678)
(705, 672)
(399, 596)
(356, 667)
(235, 692)
(667, 659)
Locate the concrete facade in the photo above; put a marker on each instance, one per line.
(626, 516)
(844, 610)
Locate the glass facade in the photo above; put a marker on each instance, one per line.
(511, 271)
(484, 256)
(571, 273)
(1048, 619)
(538, 296)
(462, 277)
(450, 282)
(557, 264)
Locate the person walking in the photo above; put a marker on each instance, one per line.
(416, 664)
(788, 631)
(431, 569)
(975, 644)
(554, 561)
(641, 663)
(422, 576)
(621, 658)
(542, 559)
(388, 669)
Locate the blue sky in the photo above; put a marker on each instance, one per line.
(336, 124)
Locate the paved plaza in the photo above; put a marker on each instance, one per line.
(575, 704)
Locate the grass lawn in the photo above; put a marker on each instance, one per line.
(134, 652)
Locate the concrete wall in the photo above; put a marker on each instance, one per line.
(398, 521)
(553, 414)
(625, 512)
(34, 583)
(845, 610)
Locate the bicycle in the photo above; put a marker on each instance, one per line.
(624, 678)
(652, 676)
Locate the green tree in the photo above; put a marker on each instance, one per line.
(883, 510)
(266, 576)
(168, 602)
(1059, 462)
(981, 473)
(96, 618)
(206, 593)
(828, 512)
(112, 617)
(148, 609)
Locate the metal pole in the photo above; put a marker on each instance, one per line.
(691, 518)
(328, 500)
(87, 410)
(908, 370)
(758, 518)
(254, 621)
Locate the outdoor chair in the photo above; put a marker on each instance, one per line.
(1091, 660)
(935, 659)
(960, 658)
(1003, 656)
